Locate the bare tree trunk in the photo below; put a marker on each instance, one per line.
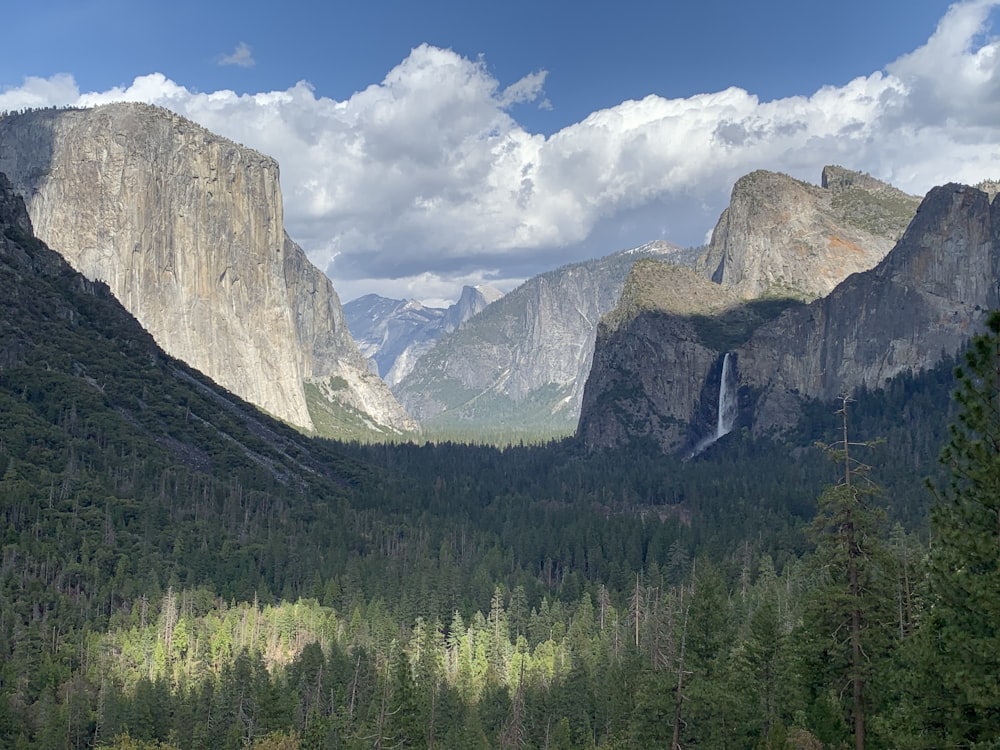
(857, 676)
(675, 742)
(853, 554)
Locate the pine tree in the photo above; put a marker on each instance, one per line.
(845, 620)
(961, 637)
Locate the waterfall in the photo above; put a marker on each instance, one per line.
(728, 406)
(727, 400)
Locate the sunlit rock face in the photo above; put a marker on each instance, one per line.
(187, 230)
(658, 354)
(923, 301)
(783, 237)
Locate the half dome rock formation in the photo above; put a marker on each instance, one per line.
(186, 228)
(394, 333)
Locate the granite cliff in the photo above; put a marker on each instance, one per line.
(186, 228)
(518, 367)
(783, 237)
(659, 357)
(394, 334)
(923, 301)
(78, 369)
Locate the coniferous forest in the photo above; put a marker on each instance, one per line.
(178, 571)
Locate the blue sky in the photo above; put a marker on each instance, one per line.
(596, 54)
(427, 145)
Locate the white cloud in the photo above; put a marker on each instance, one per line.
(241, 57)
(39, 92)
(425, 180)
(528, 89)
(153, 88)
(957, 69)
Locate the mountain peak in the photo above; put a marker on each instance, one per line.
(394, 334)
(784, 237)
(658, 359)
(472, 301)
(519, 366)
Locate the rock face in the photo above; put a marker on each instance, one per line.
(924, 300)
(186, 228)
(472, 301)
(519, 366)
(75, 364)
(394, 334)
(13, 214)
(921, 302)
(783, 237)
(658, 323)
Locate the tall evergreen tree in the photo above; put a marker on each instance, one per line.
(846, 612)
(961, 635)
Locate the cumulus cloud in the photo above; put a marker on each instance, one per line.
(241, 57)
(39, 92)
(425, 180)
(528, 89)
(957, 69)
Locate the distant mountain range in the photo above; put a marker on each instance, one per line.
(810, 291)
(517, 369)
(394, 333)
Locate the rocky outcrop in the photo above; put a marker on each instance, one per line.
(651, 360)
(187, 230)
(783, 237)
(657, 366)
(472, 301)
(520, 365)
(13, 214)
(394, 334)
(923, 301)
